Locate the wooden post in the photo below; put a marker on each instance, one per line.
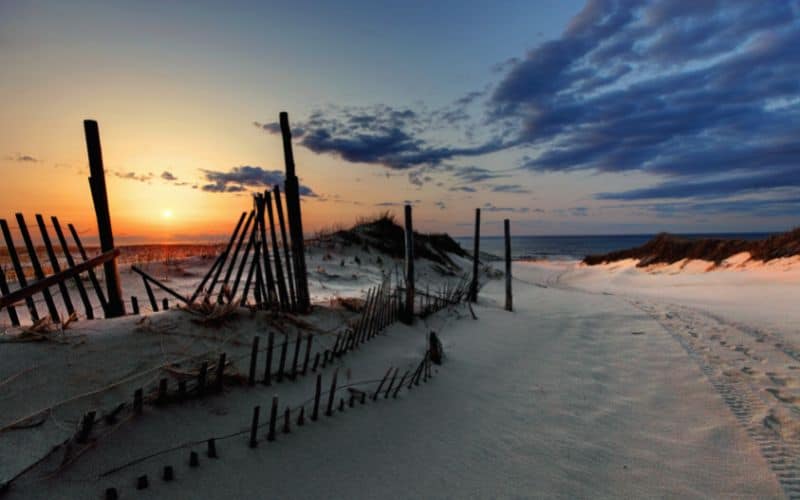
(71, 263)
(400, 384)
(301, 418)
(236, 251)
(282, 363)
(332, 394)
(271, 296)
(380, 386)
(315, 411)
(391, 383)
(12, 311)
(51, 254)
(251, 379)
(309, 339)
(223, 257)
(87, 422)
(165, 304)
(97, 184)
(243, 262)
(212, 448)
(150, 296)
(281, 281)
(254, 427)
(162, 390)
(135, 304)
(37, 268)
(292, 190)
(296, 355)
(137, 401)
(273, 418)
(409, 231)
(287, 416)
(509, 301)
(316, 363)
(98, 290)
(268, 363)
(285, 241)
(473, 291)
(250, 274)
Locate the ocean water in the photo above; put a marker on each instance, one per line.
(577, 247)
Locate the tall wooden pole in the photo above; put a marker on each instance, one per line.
(507, 229)
(292, 190)
(473, 291)
(409, 313)
(97, 183)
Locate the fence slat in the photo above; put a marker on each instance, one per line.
(12, 311)
(223, 259)
(51, 254)
(87, 305)
(236, 251)
(92, 275)
(276, 255)
(285, 241)
(37, 267)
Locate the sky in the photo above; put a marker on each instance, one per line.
(567, 117)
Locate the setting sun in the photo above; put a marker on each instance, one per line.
(166, 213)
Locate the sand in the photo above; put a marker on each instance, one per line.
(582, 391)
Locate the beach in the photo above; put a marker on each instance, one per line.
(605, 382)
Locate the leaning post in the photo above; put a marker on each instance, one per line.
(292, 190)
(409, 253)
(473, 291)
(97, 184)
(506, 227)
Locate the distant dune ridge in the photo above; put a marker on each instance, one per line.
(667, 249)
(384, 234)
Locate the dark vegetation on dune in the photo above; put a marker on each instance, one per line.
(667, 249)
(384, 235)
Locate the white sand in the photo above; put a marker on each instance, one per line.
(577, 394)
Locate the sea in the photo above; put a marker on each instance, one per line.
(577, 247)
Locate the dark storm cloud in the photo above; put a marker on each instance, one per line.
(238, 179)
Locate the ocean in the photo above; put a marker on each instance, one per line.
(577, 247)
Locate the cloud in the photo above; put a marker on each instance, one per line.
(133, 176)
(475, 174)
(397, 203)
(509, 188)
(441, 205)
(237, 179)
(463, 189)
(22, 158)
(381, 135)
(167, 176)
(689, 90)
(490, 207)
(701, 95)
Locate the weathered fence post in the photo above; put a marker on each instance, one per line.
(409, 251)
(251, 379)
(473, 291)
(292, 190)
(254, 427)
(97, 184)
(331, 394)
(135, 304)
(273, 419)
(507, 229)
(317, 393)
